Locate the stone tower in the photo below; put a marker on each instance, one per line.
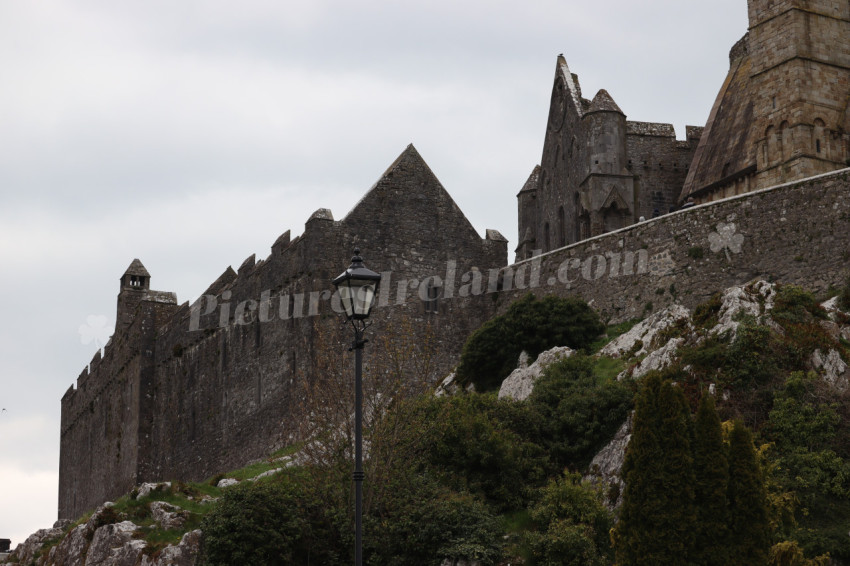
(135, 284)
(781, 114)
(607, 193)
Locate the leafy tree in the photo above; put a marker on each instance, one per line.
(749, 540)
(711, 472)
(578, 412)
(531, 325)
(572, 526)
(657, 518)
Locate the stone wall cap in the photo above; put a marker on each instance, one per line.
(322, 214)
(495, 235)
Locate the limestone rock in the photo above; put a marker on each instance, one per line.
(656, 360)
(227, 482)
(167, 515)
(184, 554)
(114, 545)
(645, 332)
(267, 474)
(743, 300)
(26, 552)
(146, 488)
(835, 370)
(72, 549)
(520, 382)
(606, 465)
(448, 386)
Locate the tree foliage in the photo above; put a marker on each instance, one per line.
(572, 525)
(578, 411)
(750, 537)
(711, 474)
(531, 325)
(658, 517)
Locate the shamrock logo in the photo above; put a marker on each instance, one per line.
(95, 330)
(726, 239)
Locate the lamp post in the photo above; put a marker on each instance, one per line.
(357, 287)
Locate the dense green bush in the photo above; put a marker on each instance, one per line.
(428, 523)
(256, 523)
(578, 412)
(531, 325)
(477, 443)
(571, 526)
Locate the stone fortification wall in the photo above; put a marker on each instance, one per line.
(102, 414)
(795, 233)
(215, 385)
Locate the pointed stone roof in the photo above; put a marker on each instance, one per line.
(136, 268)
(531, 183)
(603, 102)
(407, 188)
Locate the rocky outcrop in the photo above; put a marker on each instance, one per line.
(605, 467)
(114, 545)
(184, 554)
(656, 360)
(27, 551)
(754, 300)
(643, 336)
(168, 516)
(519, 384)
(835, 371)
(104, 540)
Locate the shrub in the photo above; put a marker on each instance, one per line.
(428, 523)
(531, 325)
(255, 523)
(470, 443)
(706, 314)
(796, 305)
(578, 412)
(572, 526)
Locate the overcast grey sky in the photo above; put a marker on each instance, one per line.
(191, 134)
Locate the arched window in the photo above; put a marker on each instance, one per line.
(546, 237)
(784, 138)
(562, 227)
(771, 146)
(819, 133)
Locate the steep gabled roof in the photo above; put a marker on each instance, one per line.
(136, 268)
(407, 190)
(531, 183)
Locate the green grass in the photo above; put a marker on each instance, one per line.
(612, 332)
(607, 369)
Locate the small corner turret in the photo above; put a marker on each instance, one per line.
(136, 277)
(135, 288)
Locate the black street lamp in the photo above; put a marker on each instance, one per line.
(357, 288)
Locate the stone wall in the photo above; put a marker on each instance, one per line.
(795, 233)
